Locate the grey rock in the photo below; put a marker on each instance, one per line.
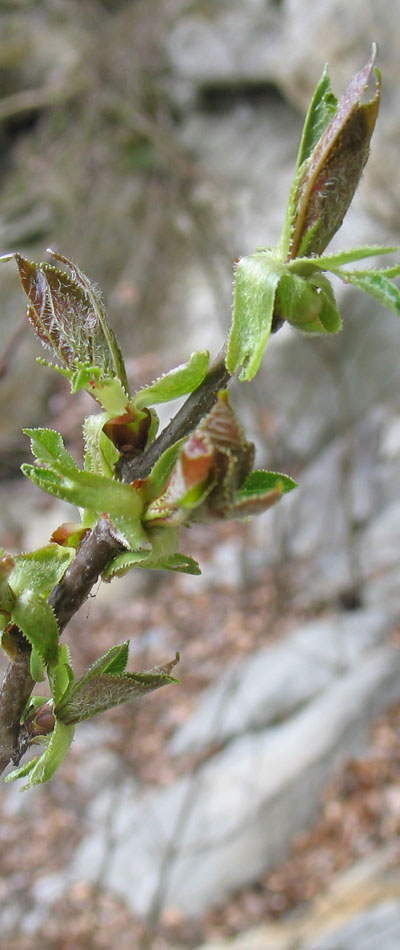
(211, 832)
(379, 926)
(273, 683)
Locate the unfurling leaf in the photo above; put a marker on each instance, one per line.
(178, 382)
(101, 688)
(34, 616)
(330, 167)
(256, 280)
(42, 768)
(131, 431)
(211, 476)
(284, 283)
(68, 316)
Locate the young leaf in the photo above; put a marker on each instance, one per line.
(159, 475)
(37, 667)
(67, 314)
(307, 304)
(94, 695)
(259, 482)
(97, 307)
(108, 391)
(178, 382)
(256, 280)
(100, 454)
(42, 768)
(61, 676)
(180, 563)
(326, 181)
(173, 562)
(34, 616)
(123, 563)
(114, 662)
(377, 285)
(98, 494)
(322, 108)
(23, 770)
(305, 266)
(48, 447)
(40, 570)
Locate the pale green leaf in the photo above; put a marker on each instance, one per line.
(89, 490)
(261, 481)
(159, 475)
(328, 315)
(94, 695)
(377, 285)
(114, 662)
(22, 770)
(123, 563)
(180, 563)
(40, 570)
(100, 453)
(304, 266)
(53, 756)
(34, 616)
(61, 676)
(322, 108)
(48, 446)
(302, 302)
(178, 382)
(256, 280)
(37, 667)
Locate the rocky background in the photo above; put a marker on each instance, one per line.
(153, 141)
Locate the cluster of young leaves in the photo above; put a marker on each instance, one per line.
(204, 477)
(104, 685)
(288, 282)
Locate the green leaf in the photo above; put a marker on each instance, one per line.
(34, 616)
(133, 532)
(256, 280)
(95, 302)
(48, 446)
(180, 563)
(96, 694)
(307, 304)
(98, 494)
(37, 667)
(326, 180)
(123, 563)
(22, 770)
(40, 570)
(159, 475)
(131, 559)
(377, 285)
(329, 315)
(114, 662)
(61, 676)
(100, 454)
(109, 392)
(178, 382)
(42, 768)
(305, 266)
(322, 108)
(261, 491)
(259, 482)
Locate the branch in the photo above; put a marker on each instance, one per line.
(96, 550)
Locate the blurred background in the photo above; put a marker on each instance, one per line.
(256, 806)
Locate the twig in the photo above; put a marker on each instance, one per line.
(32, 100)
